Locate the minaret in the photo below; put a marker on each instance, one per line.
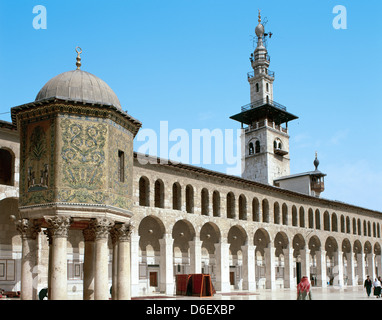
(266, 153)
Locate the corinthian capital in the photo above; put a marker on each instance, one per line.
(59, 226)
(28, 229)
(123, 231)
(100, 227)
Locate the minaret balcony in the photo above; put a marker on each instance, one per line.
(268, 73)
(280, 152)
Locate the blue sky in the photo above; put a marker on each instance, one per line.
(185, 62)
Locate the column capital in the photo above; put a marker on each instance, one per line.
(59, 226)
(100, 227)
(123, 231)
(28, 229)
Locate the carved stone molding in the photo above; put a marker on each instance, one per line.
(59, 226)
(123, 231)
(28, 229)
(100, 227)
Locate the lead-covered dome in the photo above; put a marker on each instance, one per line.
(79, 85)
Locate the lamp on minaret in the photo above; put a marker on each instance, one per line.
(266, 155)
(317, 184)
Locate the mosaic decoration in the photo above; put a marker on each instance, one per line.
(83, 155)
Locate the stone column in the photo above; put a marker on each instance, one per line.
(222, 266)
(350, 269)
(371, 265)
(305, 263)
(361, 267)
(89, 261)
(321, 268)
(270, 273)
(101, 228)
(48, 234)
(166, 264)
(123, 233)
(339, 267)
(249, 282)
(134, 268)
(29, 231)
(378, 263)
(114, 267)
(195, 255)
(59, 228)
(289, 281)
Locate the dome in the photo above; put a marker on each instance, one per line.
(79, 85)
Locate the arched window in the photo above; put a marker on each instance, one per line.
(326, 221)
(216, 204)
(285, 214)
(176, 196)
(230, 205)
(294, 216)
(255, 210)
(144, 193)
(251, 150)
(257, 87)
(189, 199)
(205, 202)
(265, 207)
(302, 217)
(257, 146)
(242, 207)
(159, 194)
(6, 167)
(276, 213)
(318, 219)
(334, 222)
(310, 218)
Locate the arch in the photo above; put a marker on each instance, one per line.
(189, 198)
(276, 213)
(281, 242)
(342, 223)
(334, 222)
(144, 191)
(367, 247)
(205, 202)
(285, 214)
(318, 219)
(9, 234)
(261, 240)
(7, 166)
(237, 237)
(346, 246)
(176, 196)
(310, 219)
(314, 244)
(242, 207)
(326, 221)
(150, 230)
(257, 146)
(357, 247)
(347, 224)
(265, 209)
(359, 226)
(251, 148)
(377, 249)
(331, 245)
(368, 229)
(255, 210)
(159, 194)
(230, 205)
(209, 235)
(302, 217)
(354, 226)
(216, 204)
(183, 232)
(294, 216)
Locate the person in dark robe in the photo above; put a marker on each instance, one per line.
(368, 285)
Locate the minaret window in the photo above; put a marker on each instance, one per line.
(267, 87)
(257, 144)
(251, 149)
(257, 87)
(121, 166)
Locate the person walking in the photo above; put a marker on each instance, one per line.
(377, 288)
(368, 284)
(303, 289)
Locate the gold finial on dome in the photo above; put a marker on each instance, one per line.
(259, 16)
(78, 63)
